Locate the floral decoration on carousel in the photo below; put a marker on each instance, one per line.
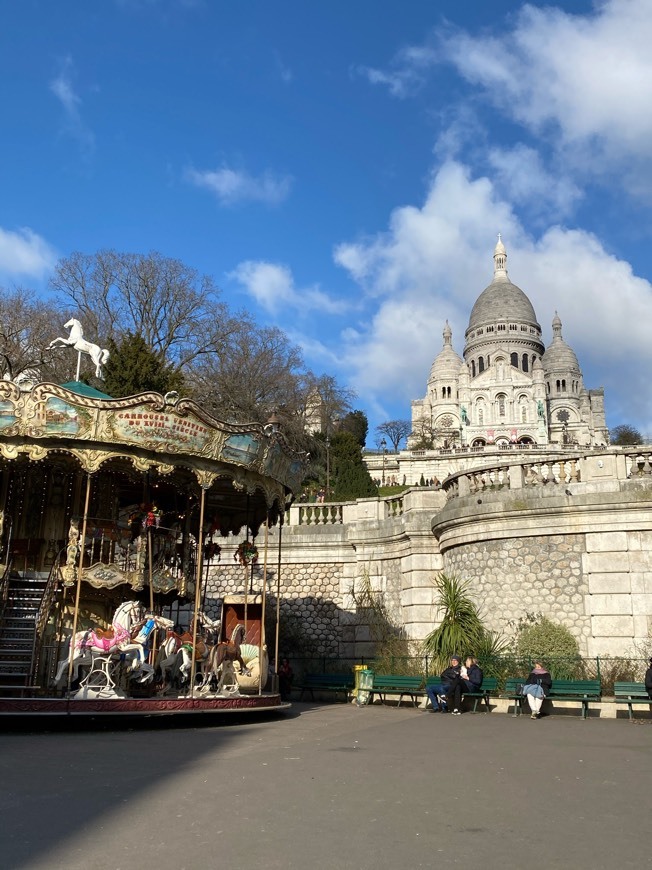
(246, 553)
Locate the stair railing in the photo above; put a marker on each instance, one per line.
(4, 584)
(55, 577)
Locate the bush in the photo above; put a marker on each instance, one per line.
(540, 639)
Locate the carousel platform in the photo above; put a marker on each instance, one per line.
(139, 707)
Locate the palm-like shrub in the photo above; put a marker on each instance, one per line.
(461, 631)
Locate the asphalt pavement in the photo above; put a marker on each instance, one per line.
(330, 786)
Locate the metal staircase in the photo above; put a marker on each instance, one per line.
(23, 595)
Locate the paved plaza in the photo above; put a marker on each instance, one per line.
(330, 786)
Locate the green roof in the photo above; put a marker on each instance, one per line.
(84, 390)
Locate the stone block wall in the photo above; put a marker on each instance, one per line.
(618, 567)
(536, 574)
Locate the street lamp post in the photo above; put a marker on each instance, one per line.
(383, 444)
(328, 467)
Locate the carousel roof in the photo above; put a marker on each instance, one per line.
(83, 389)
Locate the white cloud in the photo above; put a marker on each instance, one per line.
(232, 186)
(63, 89)
(24, 253)
(434, 261)
(585, 78)
(407, 72)
(272, 286)
(522, 178)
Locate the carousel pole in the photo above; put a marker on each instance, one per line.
(80, 571)
(79, 354)
(278, 590)
(262, 614)
(200, 537)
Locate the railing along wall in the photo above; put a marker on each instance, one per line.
(55, 579)
(630, 463)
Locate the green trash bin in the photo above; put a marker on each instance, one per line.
(365, 680)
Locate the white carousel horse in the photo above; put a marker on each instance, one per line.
(175, 653)
(117, 640)
(79, 343)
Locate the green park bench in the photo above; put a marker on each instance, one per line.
(631, 693)
(489, 687)
(326, 683)
(584, 691)
(390, 684)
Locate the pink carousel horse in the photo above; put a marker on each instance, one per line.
(130, 628)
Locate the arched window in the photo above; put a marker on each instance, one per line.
(563, 385)
(472, 368)
(525, 362)
(514, 360)
(448, 392)
(558, 386)
(480, 365)
(523, 414)
(500, 398)
(480, 417)
(443, 392)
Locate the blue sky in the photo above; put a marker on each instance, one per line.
(342, 169)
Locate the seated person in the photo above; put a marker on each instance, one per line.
(452, 683)
(472, 675)
(435, 692)
(537, 687)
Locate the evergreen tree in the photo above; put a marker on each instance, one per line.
(357, 424)
(133, 367)
(350, 478)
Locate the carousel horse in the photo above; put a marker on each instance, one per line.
(175, 654)
(220, 665)
(128, 634)
(79, 343)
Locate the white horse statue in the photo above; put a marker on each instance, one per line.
(175, 653)
(119, 639)
(78, 342)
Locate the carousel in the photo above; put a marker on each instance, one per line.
(114, 516)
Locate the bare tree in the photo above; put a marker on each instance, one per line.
(27, 326)
(175, 310)
(395, 430)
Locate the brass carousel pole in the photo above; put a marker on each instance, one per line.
(200, 535)
(80, 571)
(262, 615)
(278, 590)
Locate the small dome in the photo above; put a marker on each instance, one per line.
(447, 362)
(559, 356)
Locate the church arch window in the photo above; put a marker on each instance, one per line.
(514, 360)
(479, 442)
(480, 331)
(563, 385)
(480, 364)
(548, 386)
(558, 386)
(524, 329)
(472, 368)
(525, 362)
(500, 401)
(443, 392)
(490, 329)
(501, 327)
(513, 327)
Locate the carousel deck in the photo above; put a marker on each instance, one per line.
(69, 707)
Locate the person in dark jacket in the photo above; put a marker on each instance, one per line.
(648, 681)
(453, 685)
(472, 675)
(538, 685)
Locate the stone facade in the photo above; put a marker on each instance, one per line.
(539, 574)
(565, 534)
(508, 388)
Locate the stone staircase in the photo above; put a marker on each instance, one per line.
(17, 629)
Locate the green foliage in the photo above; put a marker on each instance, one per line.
(392, 648)
(133, 367)
(350, 478)
(540, 639)
(356, 423)
(625, 434)
(461, 631)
